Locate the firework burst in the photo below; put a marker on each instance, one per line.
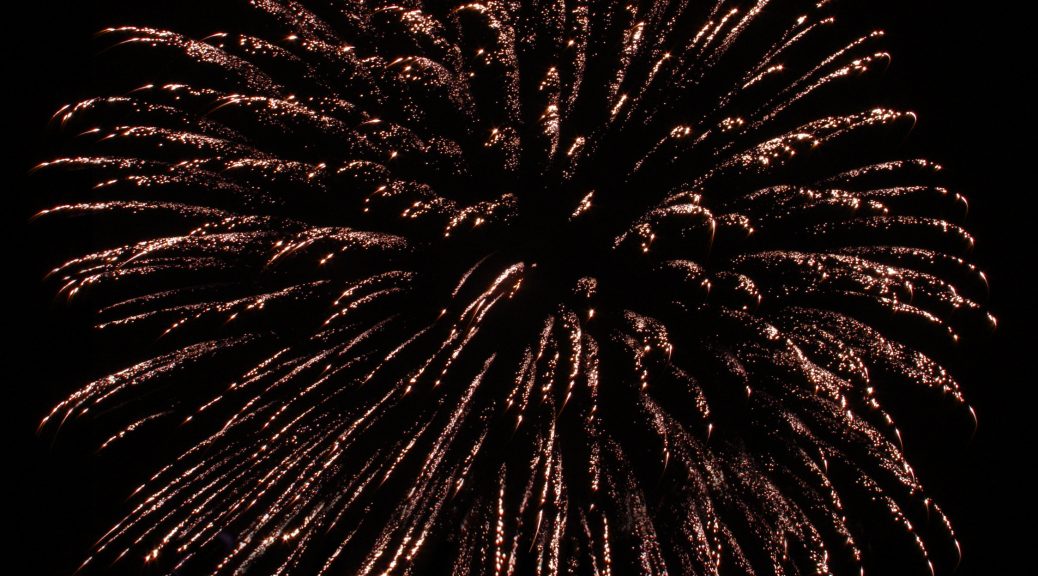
(512, 287)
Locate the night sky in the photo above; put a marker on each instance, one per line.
(962, 67)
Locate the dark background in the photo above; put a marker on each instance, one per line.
(962, 68)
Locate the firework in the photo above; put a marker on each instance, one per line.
(512, 288)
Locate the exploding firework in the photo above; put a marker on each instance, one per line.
(512, 287)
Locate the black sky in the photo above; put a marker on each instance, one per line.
(961, 67)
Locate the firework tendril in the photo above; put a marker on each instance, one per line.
(513, 287)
